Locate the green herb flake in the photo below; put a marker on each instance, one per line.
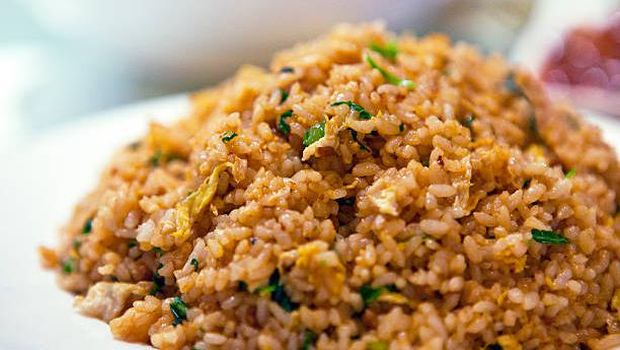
(179, 310)
(401, 127)
(158, 251)
(68, 265)
(468, 121)
(389, 50)
(571, 173)
(88, 227)
(228, 136)
(363, 147)
(283, 127)
(76, 244)
(132, 243)
(194, 263)
(315, 133)
(275, 290)
(357, 108)
(309, 339)
(346, 201)
(548, 237)
(155, 159)
(160, 157)
(377, 345)
(494, 346)
(287, 69)
(283, 95)
(526, 183)
(158, 281)
(370, 294)
(389, 77)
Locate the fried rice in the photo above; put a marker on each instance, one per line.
(367, 191)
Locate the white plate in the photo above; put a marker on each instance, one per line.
(39, 186)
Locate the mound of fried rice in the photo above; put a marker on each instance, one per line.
(403, 217)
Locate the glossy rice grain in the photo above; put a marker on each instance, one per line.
(411, 229)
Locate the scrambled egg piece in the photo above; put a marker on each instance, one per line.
(537, 151)
(386, 201)
(191, 206)
(509, 342)
(323, 266)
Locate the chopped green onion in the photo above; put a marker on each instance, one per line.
(228, 135)
(158, 281)
(309, 339)
(283, 95)
(179, 310)
(389, 50)
(571, 173)
(283, 127)
(194, 262)
(548, 237)
(354, 106)
(275, 289)
(377, 345)
(389, 77)
(315, 133)
(88, 226)
(68, 265)
(370, 294)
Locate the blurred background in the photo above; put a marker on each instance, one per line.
(61, 60)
